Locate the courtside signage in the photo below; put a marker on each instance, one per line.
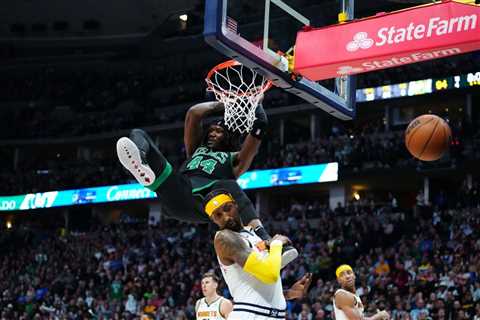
(62, 198)
(388, 40)
(289, 176)
(249, 180)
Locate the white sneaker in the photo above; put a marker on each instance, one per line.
(288, 255)
(129, 156)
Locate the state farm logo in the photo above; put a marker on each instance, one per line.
(360, 41)
(414, 57)
(434, 27)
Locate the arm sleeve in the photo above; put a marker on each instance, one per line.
(260, 124)
(267, 270)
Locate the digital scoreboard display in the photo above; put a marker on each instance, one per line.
(418, 87)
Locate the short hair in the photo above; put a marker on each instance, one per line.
(211, 275)
(231, 141)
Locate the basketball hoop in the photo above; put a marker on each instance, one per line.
(240, 89)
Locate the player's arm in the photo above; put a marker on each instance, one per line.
(193, 132)
(226, 306)
(346, 302)
(231, 248)
(243, 159)
(197, 305)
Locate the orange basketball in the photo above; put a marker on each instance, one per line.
(427, 137)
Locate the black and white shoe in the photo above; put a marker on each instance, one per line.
(133, 159)
(289, 253)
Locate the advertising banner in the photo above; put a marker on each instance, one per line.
(388, 40)
(249, 180)
(288, 176)
(75, 197)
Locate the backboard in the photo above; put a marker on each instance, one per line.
(227, 30)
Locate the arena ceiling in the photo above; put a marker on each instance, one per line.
(51, 18)
(28, 29)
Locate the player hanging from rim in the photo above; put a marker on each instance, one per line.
(252, 272)
(212, 306)
(346, 304)
(214, 161)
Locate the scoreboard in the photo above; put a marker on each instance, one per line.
(418, 87)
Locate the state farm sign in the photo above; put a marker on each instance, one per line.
(388, 40)
(396, 61)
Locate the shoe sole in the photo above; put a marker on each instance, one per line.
(289, 256)
(129, 156)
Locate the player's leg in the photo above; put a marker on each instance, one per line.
(139, 155)
(250, 217)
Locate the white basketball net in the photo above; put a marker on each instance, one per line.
(240, 89)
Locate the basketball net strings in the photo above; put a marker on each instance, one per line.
(241, 100)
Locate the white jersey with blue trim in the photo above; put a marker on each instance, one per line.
(205, 311)
(253, 299)
(339, 314)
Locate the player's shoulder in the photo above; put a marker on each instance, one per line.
(224, 300)
(226, 237)
(226, 234)
(225, 306)
(343, 297)
(341, 291)
(199, 303)
(231, 246)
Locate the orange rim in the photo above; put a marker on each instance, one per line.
(228, 64)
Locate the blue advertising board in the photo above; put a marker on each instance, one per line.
(249, 180)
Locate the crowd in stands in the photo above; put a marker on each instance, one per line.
(112, 272)
(360, 152)
(368, 148)
(53, 102)
(57, 102)
(61, 102)
(418, 263)
(421, 264)
(61, 176)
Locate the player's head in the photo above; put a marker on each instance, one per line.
(222, 209)
(346, 277)
(219, 138)
(209, 284)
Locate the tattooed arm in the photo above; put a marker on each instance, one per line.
(231, 248)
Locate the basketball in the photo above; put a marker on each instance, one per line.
(427, 137)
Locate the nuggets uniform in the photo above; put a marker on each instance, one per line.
(205, 311)
(339, 314)
(253, 299)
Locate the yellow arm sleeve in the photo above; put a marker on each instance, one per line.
(266, 269)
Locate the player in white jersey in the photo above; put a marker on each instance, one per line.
(346, 304)
(212, 306)
(251, 272)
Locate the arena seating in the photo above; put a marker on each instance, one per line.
(422, 261)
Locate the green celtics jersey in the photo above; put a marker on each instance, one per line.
(206, 166)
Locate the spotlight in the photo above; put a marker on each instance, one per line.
(184, 17)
